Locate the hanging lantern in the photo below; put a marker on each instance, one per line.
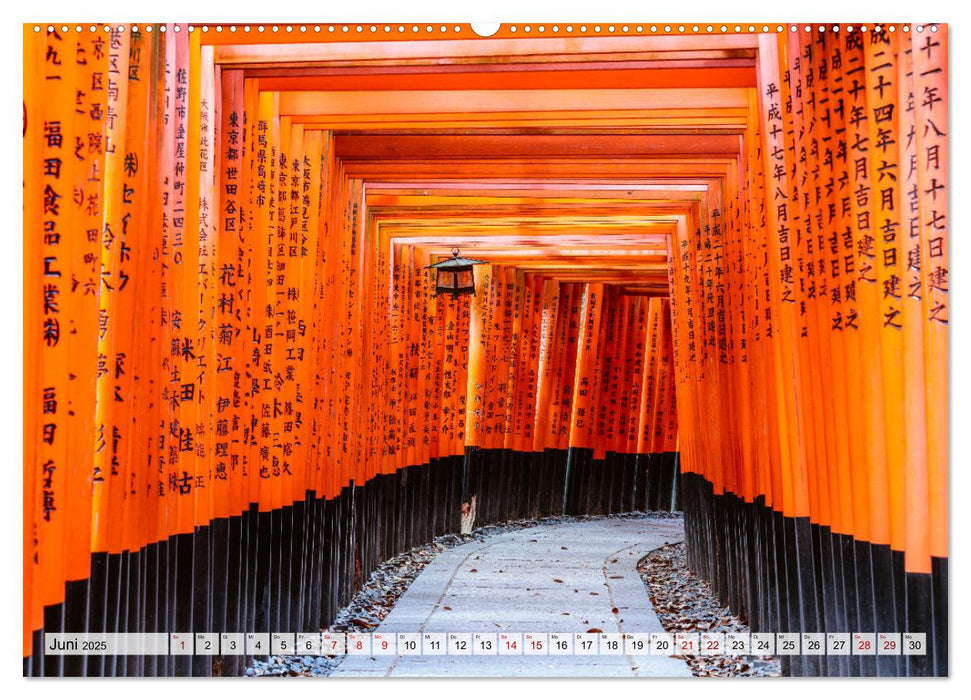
(454, 275)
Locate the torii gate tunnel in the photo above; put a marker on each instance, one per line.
(715, 281)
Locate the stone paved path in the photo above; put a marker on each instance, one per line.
(568, 577)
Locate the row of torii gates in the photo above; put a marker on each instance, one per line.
(715, 280)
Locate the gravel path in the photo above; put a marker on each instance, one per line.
(685, 603)
(391, 580)
(560, 577)
(682, 601)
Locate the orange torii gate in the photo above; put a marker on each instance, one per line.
(716, 282)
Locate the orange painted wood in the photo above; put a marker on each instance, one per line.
(733, 247)
(931, 127)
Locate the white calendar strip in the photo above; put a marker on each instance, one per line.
(105, 644)
(490, 644)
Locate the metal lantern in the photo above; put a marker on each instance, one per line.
(454, 275)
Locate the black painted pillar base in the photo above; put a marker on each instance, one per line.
(786, 574)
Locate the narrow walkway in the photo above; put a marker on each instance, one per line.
(570, 577)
